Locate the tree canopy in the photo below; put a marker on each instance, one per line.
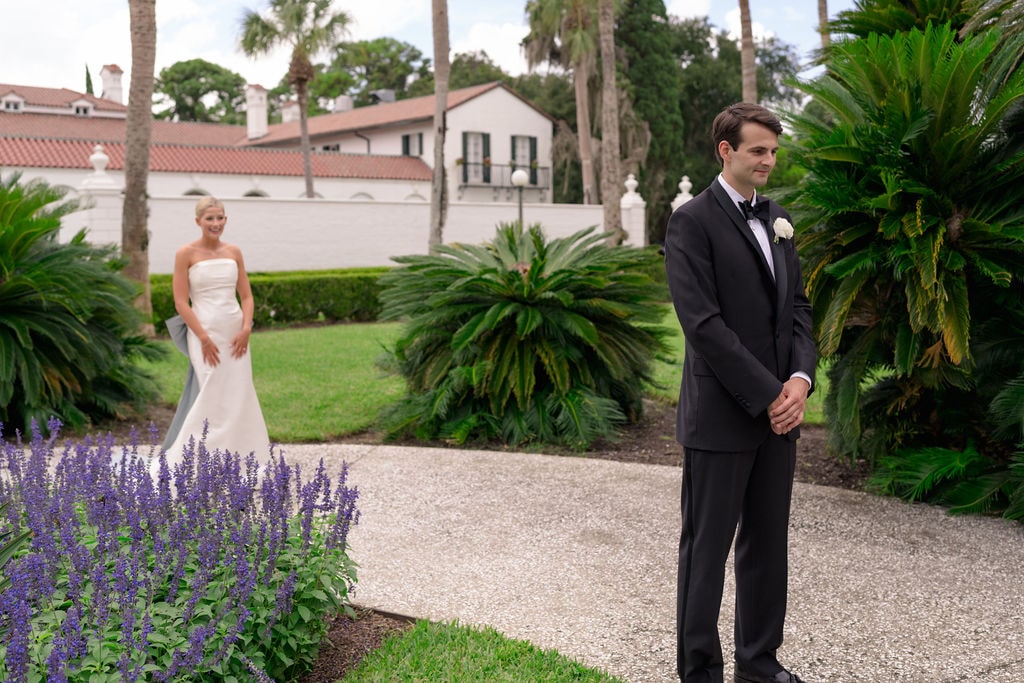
(198, 90)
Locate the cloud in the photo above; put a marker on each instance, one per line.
(686, 9)
(733, 26)
(55, 52)
(499, 41)
(391, 18)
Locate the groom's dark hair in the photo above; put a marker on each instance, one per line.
(730, 120)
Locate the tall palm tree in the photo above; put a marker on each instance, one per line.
(823, 23)
(442, 72)
(610, 186)
(748, 65)
(308, 27)
(138, 127)
(564, 33)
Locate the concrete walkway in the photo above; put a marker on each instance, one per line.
(580, 555)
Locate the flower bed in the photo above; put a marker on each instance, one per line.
(222, 568)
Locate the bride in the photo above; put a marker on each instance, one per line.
(214, 301)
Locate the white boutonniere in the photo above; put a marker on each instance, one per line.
(783, 229)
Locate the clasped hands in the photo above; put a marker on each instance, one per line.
(239, 345)
(787, 411)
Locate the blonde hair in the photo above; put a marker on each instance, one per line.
(208, 202)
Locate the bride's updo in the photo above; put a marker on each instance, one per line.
(206, 203)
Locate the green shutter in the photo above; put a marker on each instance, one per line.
(405, 145)
(465, 157)
(533, 160)
(487, 155)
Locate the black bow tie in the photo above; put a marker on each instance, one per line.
(758, 210)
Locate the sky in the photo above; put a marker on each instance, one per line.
(53, 50)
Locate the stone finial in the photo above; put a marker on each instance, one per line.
(684, 193)
(98, 179)
(632, 197)
(99, 159)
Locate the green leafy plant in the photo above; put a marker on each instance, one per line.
(68, 330)
(214, 570)
(915, 233)
(914, 256)
(523, 339)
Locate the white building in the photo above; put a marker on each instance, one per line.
(371, 166)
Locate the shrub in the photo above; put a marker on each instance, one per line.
(68, 329)
(913, 247)
(523, 339)
(294, 297)
(211, 572)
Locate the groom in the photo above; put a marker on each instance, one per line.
(737, 289)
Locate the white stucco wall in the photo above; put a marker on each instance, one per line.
(503, 115)
(298, 234)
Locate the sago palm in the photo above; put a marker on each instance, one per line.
(68, 330)
(888, 17)
(914, 201)
(524, 339)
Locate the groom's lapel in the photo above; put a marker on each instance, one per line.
(778, 258)
(733, 212)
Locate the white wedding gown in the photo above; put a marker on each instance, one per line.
(227, 397)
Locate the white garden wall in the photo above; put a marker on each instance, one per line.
(299, 234)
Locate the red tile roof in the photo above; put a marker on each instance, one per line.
(112, 130)
(60, 98)
(62, 141)
(389, 113)
(171, 158)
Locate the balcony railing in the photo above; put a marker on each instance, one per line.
(499, 176)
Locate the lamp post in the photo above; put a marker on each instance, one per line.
(520, 178)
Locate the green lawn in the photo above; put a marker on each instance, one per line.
(450, 653)
(315, 383)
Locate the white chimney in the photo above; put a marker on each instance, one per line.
(382, 96)
(289, 111)
(111, 75)
(256, 111)
(343, 103)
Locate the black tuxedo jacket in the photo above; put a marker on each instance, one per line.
(746, 332)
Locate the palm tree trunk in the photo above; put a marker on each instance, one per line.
(302, 94)
(138, 129)
(823, 23)
(748, 65)
(609, 123)
(442, 70)
(580, 77)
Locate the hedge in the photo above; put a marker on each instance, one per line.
(294, 297)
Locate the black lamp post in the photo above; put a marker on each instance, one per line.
(520, 178)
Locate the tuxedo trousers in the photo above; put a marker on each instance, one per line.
(745, 495)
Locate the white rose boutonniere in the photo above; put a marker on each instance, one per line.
(783, 229)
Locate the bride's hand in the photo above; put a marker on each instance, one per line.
(211, 354)
(240, 344)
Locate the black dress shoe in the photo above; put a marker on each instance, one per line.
(742, 676)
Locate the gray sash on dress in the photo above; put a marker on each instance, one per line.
(179, 335)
